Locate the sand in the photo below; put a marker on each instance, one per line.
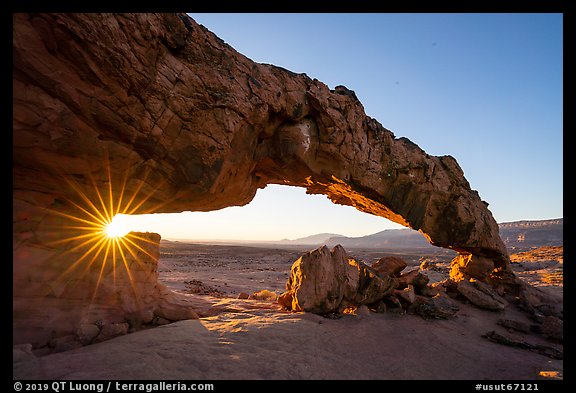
(255, 340)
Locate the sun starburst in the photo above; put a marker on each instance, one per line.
(89, 238)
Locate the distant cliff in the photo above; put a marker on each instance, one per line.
(527, 234)
(516, 235)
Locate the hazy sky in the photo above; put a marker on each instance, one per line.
(483, 88)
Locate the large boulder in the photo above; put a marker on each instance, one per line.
(323, 281)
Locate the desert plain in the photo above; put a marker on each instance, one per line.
(241, 335)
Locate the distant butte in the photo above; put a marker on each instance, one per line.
(154, 113)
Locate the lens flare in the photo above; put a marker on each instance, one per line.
(91, 233)
(116, 228)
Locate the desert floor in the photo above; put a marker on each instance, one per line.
(254, 339)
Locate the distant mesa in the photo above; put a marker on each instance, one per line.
(320, 238)
(521, 235)
(516, 235)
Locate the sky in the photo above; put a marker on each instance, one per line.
(486, 89)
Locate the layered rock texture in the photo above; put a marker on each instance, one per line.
(141, 113)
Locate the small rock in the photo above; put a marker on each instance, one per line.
(243, 295)
(514, 325)
(285, 300)
(471, 265)
(407, 294)
(413, 277)
(43, 351)
(393, 305)
(550, 309)
(362, 311)
(175, 307)
(396, 310)
(546, 350)
(332, 315)
(26, 348)
(440, 306)
(424, 265)
(264, 295)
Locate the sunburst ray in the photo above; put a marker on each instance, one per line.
(80, 233)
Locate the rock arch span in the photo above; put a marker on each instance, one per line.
(179, 119)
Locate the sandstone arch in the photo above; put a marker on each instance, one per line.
(159, 101)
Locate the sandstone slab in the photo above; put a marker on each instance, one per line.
(481, 295)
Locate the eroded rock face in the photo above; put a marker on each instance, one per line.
(153, 113)
(323, 281)
(89, 294)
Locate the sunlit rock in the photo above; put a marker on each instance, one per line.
(323, 281)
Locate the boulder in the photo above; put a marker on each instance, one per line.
(469, 265)
(362, 311)
(513, 324)
(389, 265)
(539, 302)
(407, 294)
(431, 290)
(174, 306)
(415, 278)
(323, 281)
(481, 294)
